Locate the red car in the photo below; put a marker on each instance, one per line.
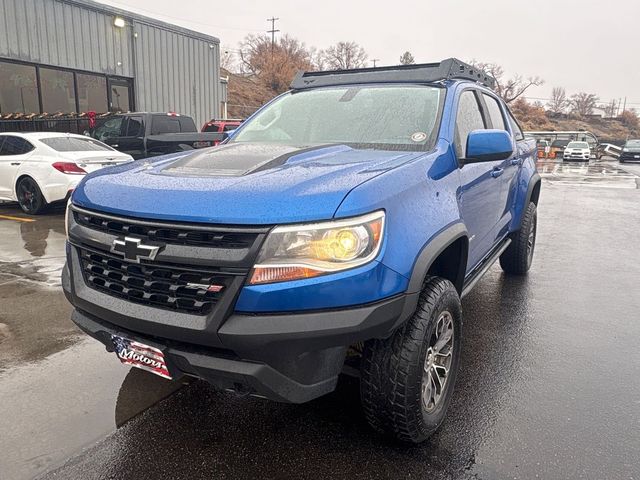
(221, 126)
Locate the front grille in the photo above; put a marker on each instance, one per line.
(165, 233)
(164, 286)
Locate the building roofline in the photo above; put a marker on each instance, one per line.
(135, 17)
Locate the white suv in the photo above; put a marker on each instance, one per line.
(577, 151)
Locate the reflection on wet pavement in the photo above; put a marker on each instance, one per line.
(593, 174)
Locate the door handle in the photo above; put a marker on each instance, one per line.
(496, 172)
(514, 161)
(15, 164)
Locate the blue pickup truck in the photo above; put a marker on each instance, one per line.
(335, 231)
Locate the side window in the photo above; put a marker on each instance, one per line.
(15, 146)
(468, 119)
(164, 124)
(495, 113)
(187, 124)
(2, 137)
(134, 127)
(517, 131)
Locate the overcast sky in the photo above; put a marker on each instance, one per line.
(586, 45)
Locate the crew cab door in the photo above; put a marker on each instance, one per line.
(132, 139)
(501, 119)
(480, 194)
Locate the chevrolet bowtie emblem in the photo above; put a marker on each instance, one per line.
(133, 249)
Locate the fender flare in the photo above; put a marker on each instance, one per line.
(432, 250)
(533, 182)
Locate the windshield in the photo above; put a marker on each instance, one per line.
(632, 143)
(578, 145)
(403, 117)
(75, 144)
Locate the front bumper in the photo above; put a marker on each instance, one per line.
(290, 357)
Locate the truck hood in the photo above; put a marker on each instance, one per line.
(238, 183)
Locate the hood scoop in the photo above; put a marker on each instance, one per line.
(237, 160)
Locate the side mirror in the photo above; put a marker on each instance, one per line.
(488, 146)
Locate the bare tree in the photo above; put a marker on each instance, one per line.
(609, 109)
(227, 60)
(583, 103)
(559, 101)
(344, 55)
(629, 118)
(508, 88)
(274, 67)
(407, 59)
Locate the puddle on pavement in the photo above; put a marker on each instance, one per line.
(54, 408)
(60, 391)
(591, 174)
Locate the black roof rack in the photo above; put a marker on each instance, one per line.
(426, 72)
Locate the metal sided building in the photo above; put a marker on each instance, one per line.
(65, 58)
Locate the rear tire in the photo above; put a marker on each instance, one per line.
(30, 197)
(518, 256)
(407, 379)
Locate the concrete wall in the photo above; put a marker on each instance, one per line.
(174, 69)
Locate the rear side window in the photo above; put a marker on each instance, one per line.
(495, 113)
(468, 119)
(211, 128)
(74, 144)
(228, 128)
(15, 146)
(165, 124)
(134, 127)
(187, 124)
(517, 131)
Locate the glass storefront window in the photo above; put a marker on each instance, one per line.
(92, 93)
(58, 92)
(120, 98)
(18, 89)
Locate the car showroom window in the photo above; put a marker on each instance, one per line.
(15, 146)
(58, 90)
(92, 93)
(468, 119)
(497, 120)
(18, 88)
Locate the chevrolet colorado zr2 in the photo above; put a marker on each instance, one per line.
(339, 226)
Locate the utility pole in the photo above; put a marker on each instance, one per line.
(273, 32)
(374, 60)
(624, 106)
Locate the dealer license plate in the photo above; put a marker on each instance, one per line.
(141, 356)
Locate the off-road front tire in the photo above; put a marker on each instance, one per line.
(518, 256)
(400, 393)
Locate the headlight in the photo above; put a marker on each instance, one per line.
(303, 251)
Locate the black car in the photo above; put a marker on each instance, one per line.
(630, 151)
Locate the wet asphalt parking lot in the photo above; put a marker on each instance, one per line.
(549, 384)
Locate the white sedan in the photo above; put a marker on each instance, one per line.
(40, 168)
